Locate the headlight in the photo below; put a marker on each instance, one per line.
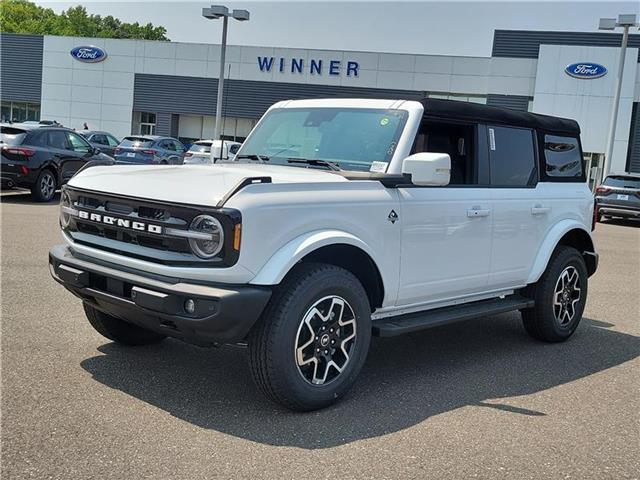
(206, 247)
(65, 203)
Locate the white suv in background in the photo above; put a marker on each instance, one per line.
(339, 219)
(210, 151)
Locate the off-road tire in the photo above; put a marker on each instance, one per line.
(540, 321)
(120, 331)
(45, 187)
(273, 340)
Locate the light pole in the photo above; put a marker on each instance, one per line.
(626, 22)
(213, 13)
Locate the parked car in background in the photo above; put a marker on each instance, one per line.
(42, 158)
(618, 196)
(41, 122)
(200, 151)
(106, 142)
(149, 149)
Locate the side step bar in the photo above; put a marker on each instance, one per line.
(390, 327)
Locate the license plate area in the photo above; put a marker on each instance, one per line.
(131, 154)
(622, 197)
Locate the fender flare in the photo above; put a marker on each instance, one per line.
(549, 244)
(295, 250)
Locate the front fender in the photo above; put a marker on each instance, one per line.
(284, 259)
(549, 244)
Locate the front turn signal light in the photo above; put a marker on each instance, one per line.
(237, 232)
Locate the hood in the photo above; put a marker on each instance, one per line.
(189, 184)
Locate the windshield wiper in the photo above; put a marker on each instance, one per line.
(253, 156)
(315, 162)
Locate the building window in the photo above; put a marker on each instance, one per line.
(147, 123)
(19, 111)
(461, 97)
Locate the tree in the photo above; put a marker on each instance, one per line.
(22, 16)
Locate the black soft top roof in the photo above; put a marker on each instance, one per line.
(435, 108)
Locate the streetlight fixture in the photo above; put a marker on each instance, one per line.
(213, 13)
(626, 22)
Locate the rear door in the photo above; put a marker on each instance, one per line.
(61, 154)
(100, 141)
(520, 208)
(180, 150)
(80, 153)
(112, 143)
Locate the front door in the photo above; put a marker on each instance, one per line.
(446, 243)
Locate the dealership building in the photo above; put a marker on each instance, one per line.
(169, 88)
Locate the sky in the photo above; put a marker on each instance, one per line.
(441, 28)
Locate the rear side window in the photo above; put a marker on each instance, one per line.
(562, 157)
(57, 139)
(200, 148)
(113, 142)
(136, 142)
(12, 136)
(100, 139)
(77, 143)
(179, 147)
(512, 158)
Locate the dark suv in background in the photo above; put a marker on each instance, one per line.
(106, 142)
(618, 196)
(149, 149)
(42, 158)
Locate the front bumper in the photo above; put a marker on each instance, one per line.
(223, 313)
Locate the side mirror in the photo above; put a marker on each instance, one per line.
(428, 169)
(96, 150)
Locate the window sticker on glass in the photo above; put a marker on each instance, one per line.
(492, 139)
(379, 167)
(384, 121)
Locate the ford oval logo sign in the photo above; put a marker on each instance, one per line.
(586, 70)
(88, 54)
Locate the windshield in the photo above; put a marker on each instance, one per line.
(12, 136)
(136, 142)
(622, 181)
(352, 138)
(200, 148)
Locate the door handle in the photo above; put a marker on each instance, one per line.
(540, 210)
(478, 212)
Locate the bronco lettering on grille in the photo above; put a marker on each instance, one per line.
(120, 222)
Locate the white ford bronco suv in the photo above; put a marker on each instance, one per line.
(340, 219)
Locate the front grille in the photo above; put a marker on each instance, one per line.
(156, 244)
(167, 216)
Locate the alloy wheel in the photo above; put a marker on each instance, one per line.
(47, 185)
(325, 340)
(566, 295)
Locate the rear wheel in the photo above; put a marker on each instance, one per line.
(560, 297)
(313, 338)
(45, 187)
(120, 331)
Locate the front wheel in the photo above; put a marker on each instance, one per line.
(560, 297)
(313, 338)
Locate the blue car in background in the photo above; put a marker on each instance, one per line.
(149, 149)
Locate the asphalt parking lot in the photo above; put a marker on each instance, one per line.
(473, 400)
